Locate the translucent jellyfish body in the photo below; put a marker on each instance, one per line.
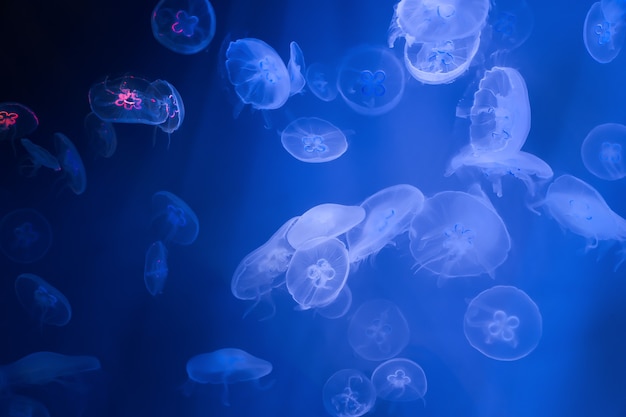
(503, 323)
(226, 366)
(101, 135)
(322, 81)
(25, 235)
(172, 102)
(174, 221)
(399, 379)
(371, 80)
(378, 330)
(509, 24)
(603, 151)
(44, 367)
(311, 139)
(19, 406)
(71, 164)
(42, 301)
(388, 214)
(317, 272)
(38, 157)
(296, 69)
(339, 307)
(155, 268)
(184, 26)
(348, 393)
(16, 121)
(458, 234)
(604, 32)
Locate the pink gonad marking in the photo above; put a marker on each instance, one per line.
(7, 119)
(128, 99)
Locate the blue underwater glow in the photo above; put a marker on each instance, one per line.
(279, 208)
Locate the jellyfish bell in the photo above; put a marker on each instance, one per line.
(174, 221)
(38, 157)
(184, 26)
(314, 140)
(25, 235)
(399, 380)
(42, 301)
(71, 164)
(296, 69)
(321, 80)
(16, 121)
(604, 32)
(348, 393)
(603, 151)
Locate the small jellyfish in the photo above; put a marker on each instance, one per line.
(173, 103)
(509, 24)
(296, 69)
(602, 151)
(71, 163)
(458, 234)
(310, 139)
(603, 34)
(16, 121)
(388, 214)
(174, 221)
(41, 368)
(38, 156)
(184, 26)
(42, 301)
(378, 330)
(101, 135)
(25, 236)
(322, 82)
(317, 272)
(226, 366)
(503, 323)
(371, 80)
(155, 270)
(348, 393)
(399, 379)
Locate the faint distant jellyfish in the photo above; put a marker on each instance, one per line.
(602, 151)
(339, 307)
(20, 406)
(258, 74)
(101, 135)
(399, 379)
(184, 26)
(155, 268)
(378, 330)
(42, 301)
(348, 393)
(603, 35)
(503, 323)
(440, 62)
(310, 139)
(371, 80)
(71, 164)
(174, 221)
(511, 23)
(388, 214)
(296, 69)
(16, 121)
(322, 81)
(226, 366)
(25, 236)
(41, 368)
(317, 272)
(458, 234)
(38, 156)
(173, 103)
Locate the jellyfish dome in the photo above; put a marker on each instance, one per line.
(25, 236)
(174, 221)
(172, 101)
(503, 323)
(42, 301)
(348, 393)
(322, 82)
(16, 121)
(603, 151)
(311, 139)
(296, 69)
(399, 379)
(603, 31)
(155, 268)
(40, 368)
(71, 163)
(184, 26)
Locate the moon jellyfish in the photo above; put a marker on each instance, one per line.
(42, 301)
(317, 272)
(324, 220)
(38, 156)
(173, 103)
(458, 234)
(310, 139)
(503, 323)
(322, 81)
(602, 151)
(388, 214)
(226, 366)
(155, 268)
(41, 368)
(174, 221)
(25, 236)
(440, 62)
(378, 330)
(20, 406)
(184, 26)
(71, 164)
(433, 21)
(127, 99)
(603, 33)
(258, 74)
(261, 270)
(295, 68)
(510, 23)
(348, 393)
(371, 80)
(399, 379)
(16, 121)
(101, 135)
(339, 307)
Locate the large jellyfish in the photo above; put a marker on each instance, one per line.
(348, 393)
(71, 164)
(155, 268)
(101, 135)
(371, 80)
(174, 221)
(184, 26)
(503, 323)
(388, 214)
(226, 366)
(42, 301)
(25, 235)
(458, 234)
(604, 30)
(311, 139)
(399, 379)
(322, 81)
(378, 330)
(317, 272)
(603, 151)
(41, 368)
(16, 121)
